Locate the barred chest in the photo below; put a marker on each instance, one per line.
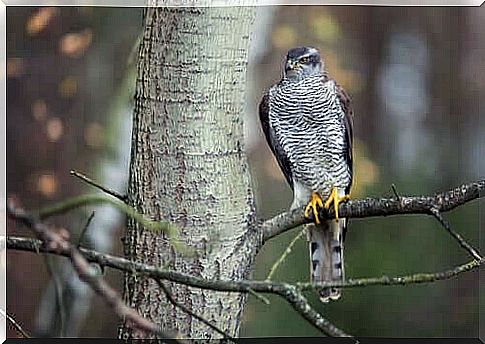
(306, 117)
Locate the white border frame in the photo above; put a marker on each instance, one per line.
(142, 3)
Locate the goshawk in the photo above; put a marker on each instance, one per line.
(307, 121)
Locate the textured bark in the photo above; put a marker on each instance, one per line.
(188, 165)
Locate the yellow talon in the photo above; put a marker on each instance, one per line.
(336, 201)
(315, 201)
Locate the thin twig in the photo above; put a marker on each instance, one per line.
(396, 194)
(85, 229)
(463, 243)
(15, 324)
(258, 296)
(417, 278)
(58, 293)
(301, 305)
(285, 254)
(91, 199)
(105, 189)
(79, 201)
(177, 304)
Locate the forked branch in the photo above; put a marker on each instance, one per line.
(368, 207)
(58, 243)
(435, 205)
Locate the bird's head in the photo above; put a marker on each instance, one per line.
(303, 62)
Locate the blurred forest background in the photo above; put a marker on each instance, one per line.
(416, 76)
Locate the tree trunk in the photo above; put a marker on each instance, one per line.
(188, 165)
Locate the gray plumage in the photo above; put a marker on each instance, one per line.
(306, 118)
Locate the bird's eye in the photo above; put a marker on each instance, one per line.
(304, 60)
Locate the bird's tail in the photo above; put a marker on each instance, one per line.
(327, 255)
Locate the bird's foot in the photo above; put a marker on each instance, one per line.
(335, 199)
(312, 206)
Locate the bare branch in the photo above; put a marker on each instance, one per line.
(242, 286)
(285, 254)
(396, 194)
(85, 229)
(369, 207)
(300, 304)
(56, 242)
(15, 324)
(105, 189)
(157, 226)
(473, 252)
(259, 297)
(400, 280)
(287, 291)
(291, 293)
(177, 304)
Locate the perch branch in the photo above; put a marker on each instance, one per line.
(292, 293)
(442, 202)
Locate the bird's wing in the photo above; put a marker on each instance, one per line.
(276, 148)
(348, 116)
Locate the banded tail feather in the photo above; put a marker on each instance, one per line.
(326, 255)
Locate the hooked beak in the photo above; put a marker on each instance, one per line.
(292, 65)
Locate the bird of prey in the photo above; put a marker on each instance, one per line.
(307, 120)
